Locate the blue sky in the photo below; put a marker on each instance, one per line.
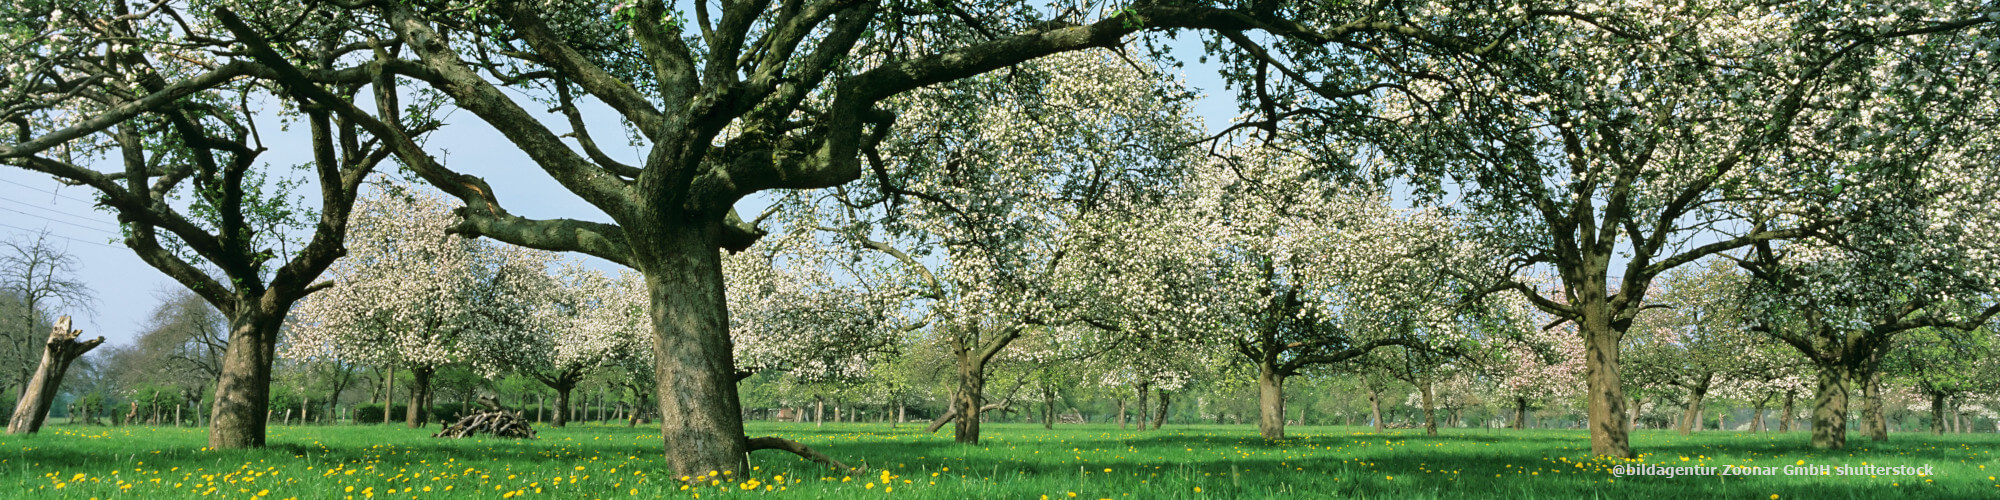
(127, 289)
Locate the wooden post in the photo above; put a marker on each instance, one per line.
(61, 349)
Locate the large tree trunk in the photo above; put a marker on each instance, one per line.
(1965, 422)
(243, 391)
(1520, 412)
(1270, 402)
(1121, 414)
(1872, 417)
(1691, 419)
(388, 393)
(1829, 424)
(58, 352)
(1632, 421)
(1375, 407)
(1956, 417)
(1430, 412)
(1604, 394)
(560, 417)
(971, 387)
(1145, 395)
(819, 411)
(1160, 418)
(701, 417)
(1048, 412)
(641, 401)
(1785, 415)
(414, 416)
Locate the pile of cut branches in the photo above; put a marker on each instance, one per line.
(500, 423)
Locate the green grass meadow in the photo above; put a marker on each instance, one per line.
(1014, 461)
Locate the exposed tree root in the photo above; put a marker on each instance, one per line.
(946, 418)
(796, 448)
(952, 414)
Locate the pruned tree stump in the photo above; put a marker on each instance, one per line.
(61, 349)
(499, 423)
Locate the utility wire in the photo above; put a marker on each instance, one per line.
(49, 193)
(60, 236)
(46, 218)
(51, 210)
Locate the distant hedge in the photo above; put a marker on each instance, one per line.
(371, 413)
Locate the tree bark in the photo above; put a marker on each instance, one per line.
(1872, 417)
(1270, 402)
(1430, 413)
(971, 387)
(388, 393)
(1145, 395)
(819, 411)
(1632, 413)
(1048, 413)
(414, 416)
(777, 443)
(1520, 412)
(1121, 414)
(243, 391)
(1953, 424)
(1160, 418)
(1691, 419)
(1375, 407)
(561, 415)
(1604, 393)
(39, 393)
(950, 415)
(1829, 424)
(701, 417)
(1785, 415)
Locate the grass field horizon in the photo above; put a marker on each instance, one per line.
(1013, 461)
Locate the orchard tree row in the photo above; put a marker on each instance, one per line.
(1411, 182)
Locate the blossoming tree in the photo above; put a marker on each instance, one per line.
(726, 102)
(452, 293)
(1620, 140)
(987, 236)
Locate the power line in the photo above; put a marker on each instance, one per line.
(44, 231)
(53, 193)
(51, 210)
(46, 218)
